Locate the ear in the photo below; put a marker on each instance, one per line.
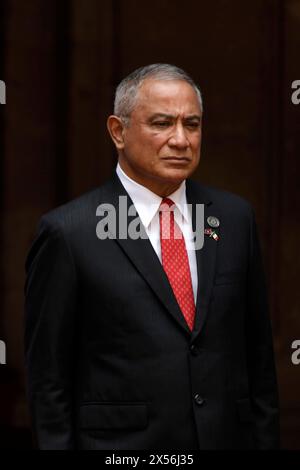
(116, 129)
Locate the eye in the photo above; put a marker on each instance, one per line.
(161, 124)
(193, 125)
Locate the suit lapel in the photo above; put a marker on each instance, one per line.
(145, 260)
(206, 256)
(143, 256)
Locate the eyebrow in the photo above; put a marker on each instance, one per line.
(171, 116)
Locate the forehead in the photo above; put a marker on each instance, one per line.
(167, 96)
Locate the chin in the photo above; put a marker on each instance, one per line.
(176, 175)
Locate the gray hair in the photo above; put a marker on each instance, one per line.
(127, 90)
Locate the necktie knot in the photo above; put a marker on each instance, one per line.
(166, 204)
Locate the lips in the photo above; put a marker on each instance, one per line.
(177, 159)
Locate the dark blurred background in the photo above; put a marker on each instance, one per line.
(61, 61)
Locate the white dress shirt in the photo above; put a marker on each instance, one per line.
(147, 204)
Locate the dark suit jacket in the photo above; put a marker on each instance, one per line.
(111, 363)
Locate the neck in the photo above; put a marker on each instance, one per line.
(159, 187)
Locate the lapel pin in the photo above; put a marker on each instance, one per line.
(213, 221)
(211, 233)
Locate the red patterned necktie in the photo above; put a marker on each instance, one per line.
(175, 261)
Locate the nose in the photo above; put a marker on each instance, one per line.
(178, 137)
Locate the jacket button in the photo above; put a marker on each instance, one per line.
(199, 400)
(193, 350)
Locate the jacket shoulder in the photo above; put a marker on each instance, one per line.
(75, 213)
(71, 212)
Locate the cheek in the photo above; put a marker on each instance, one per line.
(155, 145)
(158, 139)
(196, 143)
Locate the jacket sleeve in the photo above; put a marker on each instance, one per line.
(50, 344)
(260, 353)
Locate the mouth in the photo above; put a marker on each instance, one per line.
(173, 159)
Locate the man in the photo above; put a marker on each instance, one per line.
(150, 341)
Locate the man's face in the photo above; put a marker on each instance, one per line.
(161, 145)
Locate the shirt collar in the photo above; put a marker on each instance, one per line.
(146, 202)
